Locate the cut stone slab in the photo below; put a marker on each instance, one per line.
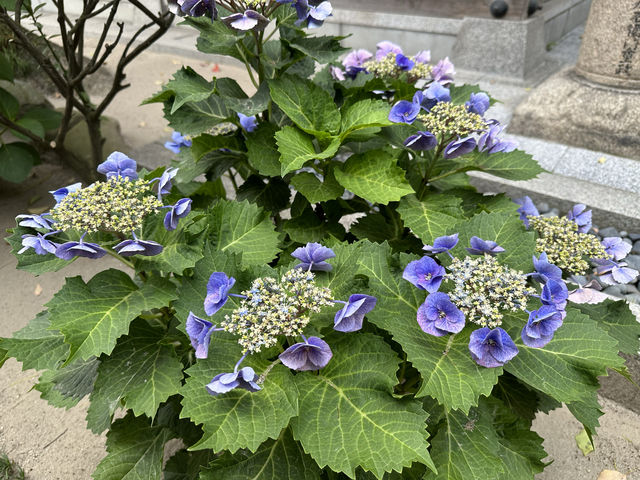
(568, 109)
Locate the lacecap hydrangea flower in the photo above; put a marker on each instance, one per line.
(482, 291)
(388, 62)
(117, 205)
(566, 243)
(271, 310)
(458, 129)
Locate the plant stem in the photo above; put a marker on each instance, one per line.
(123, 260)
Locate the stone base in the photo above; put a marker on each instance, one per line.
(568, 109)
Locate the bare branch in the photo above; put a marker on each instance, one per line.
(24, 131)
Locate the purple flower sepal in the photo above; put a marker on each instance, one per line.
(581, 216)
(425, 274)
(491, 348)
(589, 293)
(60, 193)
(246, 379)
(70, 250)
(164, 181)
(438, 316)
(199, 8)
(480, 247)
(459, 147)
(490, 143)
(218, 288)
(177, 142)
(541, 326)
(313, 354)
(527, 209)
(246, 21)
(423, 56)
(385, 47)
(555, 293)
(34, 221)
(478, 103)
(318, 14)
(249, 124)
(421, 141)
(404, 112)
(443, 71)
(612, 273)
(337, 73)
(119, 165)
(180, 210)
(545, 271)
(434, 94)
(349, 318)
(354, 62)
(199, 331)
(313, 256)
(39, 243)
(135, 246)
(404, 63)
(616, 248)
(442, 244)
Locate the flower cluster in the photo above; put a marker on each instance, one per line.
(483, 289)
(390, 62)
(117, 205)
(458, 128)
(252, 14)
(567, 244)
(270, 310)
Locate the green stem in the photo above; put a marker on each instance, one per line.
(123, 260)
(248, 66)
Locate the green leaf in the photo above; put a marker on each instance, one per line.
(316, 190)
(6, 68)
(489, 443)
(505, 229)
(278, 459)
(243, 228)
(186, 465)
(619, 322)
(461, 93)
(567, 367)
(307, 105)
(250, 106)
(449, 374)
(432, 217)
(29, 260)
(374, 176)
(364, 114)
(31, 124)
(308, 227)
(516, 165)
(349, 417)
(9, 105)
(323, 49)
(36, 346)
(185, 86)
(583, 441)
(65, 387)
(262, 151)
(135, 450)
(49, 118)
(142, 372)
(238, 419)
(196, 117)
(215, 37)
(92, 316)
(271, 194)
(297, 148)
(16, 161)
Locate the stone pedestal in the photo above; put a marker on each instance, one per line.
(596, 104)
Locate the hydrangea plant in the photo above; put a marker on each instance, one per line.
(356, 310)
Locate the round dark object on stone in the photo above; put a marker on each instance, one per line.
(533, 7)
(498, 8)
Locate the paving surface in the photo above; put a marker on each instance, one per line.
(53, 444)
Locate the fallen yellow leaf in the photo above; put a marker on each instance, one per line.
(611, 475)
